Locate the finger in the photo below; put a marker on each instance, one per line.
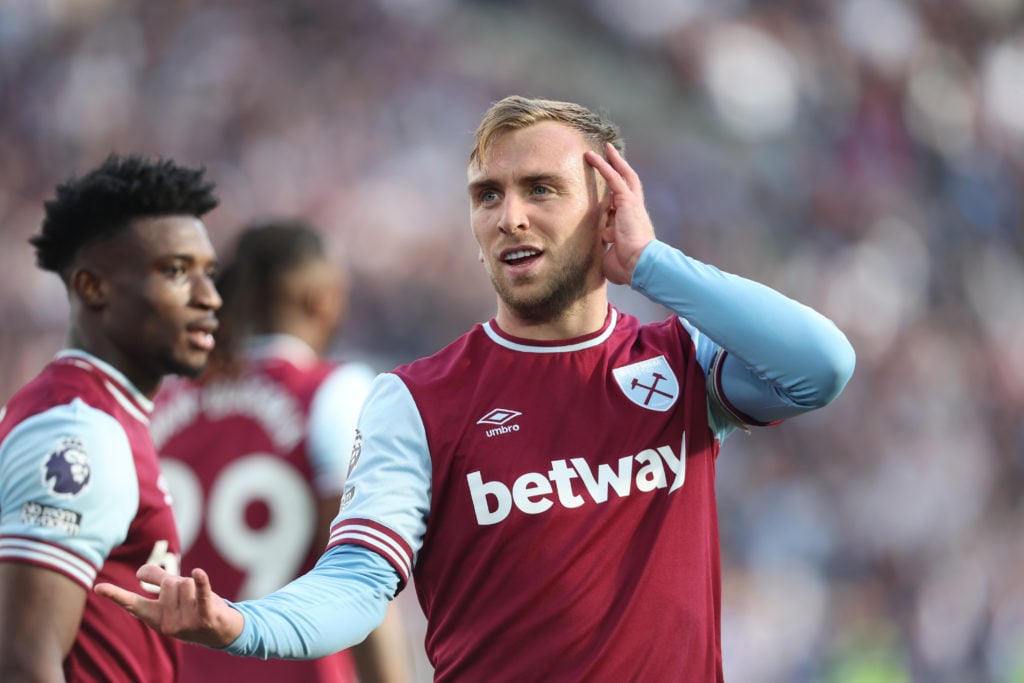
(202, 580)
(125, 599)
(615, 181)
(151, 573)
(619, 163)
(204, 592)
(622, 180)
(148, 611)
(185, 596)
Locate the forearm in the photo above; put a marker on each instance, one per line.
(800, 353)
(331, 608)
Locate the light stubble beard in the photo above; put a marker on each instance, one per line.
(568, 286)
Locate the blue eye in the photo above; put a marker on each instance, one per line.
(540, 189)
(488, 196)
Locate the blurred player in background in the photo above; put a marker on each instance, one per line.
(549, 477)
(256, 452)
(81, 498)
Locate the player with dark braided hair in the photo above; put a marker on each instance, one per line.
(82, 499)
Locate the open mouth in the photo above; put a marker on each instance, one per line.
(201, 340)
(200, 334)
(519, 257)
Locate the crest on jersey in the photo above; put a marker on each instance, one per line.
(650, 383)
(66, 469)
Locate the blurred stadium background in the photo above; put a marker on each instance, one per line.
(863, 156)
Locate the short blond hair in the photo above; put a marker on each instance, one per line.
(516, 112)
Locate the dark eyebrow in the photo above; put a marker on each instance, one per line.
(189, 259)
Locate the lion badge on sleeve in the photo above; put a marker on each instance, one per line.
(66, 469)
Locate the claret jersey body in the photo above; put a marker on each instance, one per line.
(546, 460)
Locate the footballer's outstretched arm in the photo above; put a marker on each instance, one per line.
(330, 608)
(344, 597)
(186, 609)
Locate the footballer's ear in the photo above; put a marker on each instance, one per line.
(607, 229)
(89, 286)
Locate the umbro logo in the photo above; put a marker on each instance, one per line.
(500, 417)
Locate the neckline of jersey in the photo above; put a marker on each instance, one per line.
(502, 338)
(115, 380)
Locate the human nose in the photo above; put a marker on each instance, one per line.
(513, 215)
(205, 294)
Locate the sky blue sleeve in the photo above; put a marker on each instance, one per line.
(69, 525)
(387, 496)
(332, 607)
(781, 357)
(374, 540)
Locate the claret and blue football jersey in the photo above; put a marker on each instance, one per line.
(553, 502)
(81, 494)
(544, 460)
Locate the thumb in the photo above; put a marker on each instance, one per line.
(204, 594)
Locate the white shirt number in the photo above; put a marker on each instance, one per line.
(269, 556)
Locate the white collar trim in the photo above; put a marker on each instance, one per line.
(530, 348)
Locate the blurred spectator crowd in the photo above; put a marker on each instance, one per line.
(863, 156)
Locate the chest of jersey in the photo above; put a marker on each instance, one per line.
(524, 434)
(573, 497)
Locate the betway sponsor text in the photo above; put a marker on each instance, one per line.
(572, 483)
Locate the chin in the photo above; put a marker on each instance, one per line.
(537, 310)
(189, 371)
(192, 368)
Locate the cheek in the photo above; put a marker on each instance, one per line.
(478, 225)
(164, 306)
